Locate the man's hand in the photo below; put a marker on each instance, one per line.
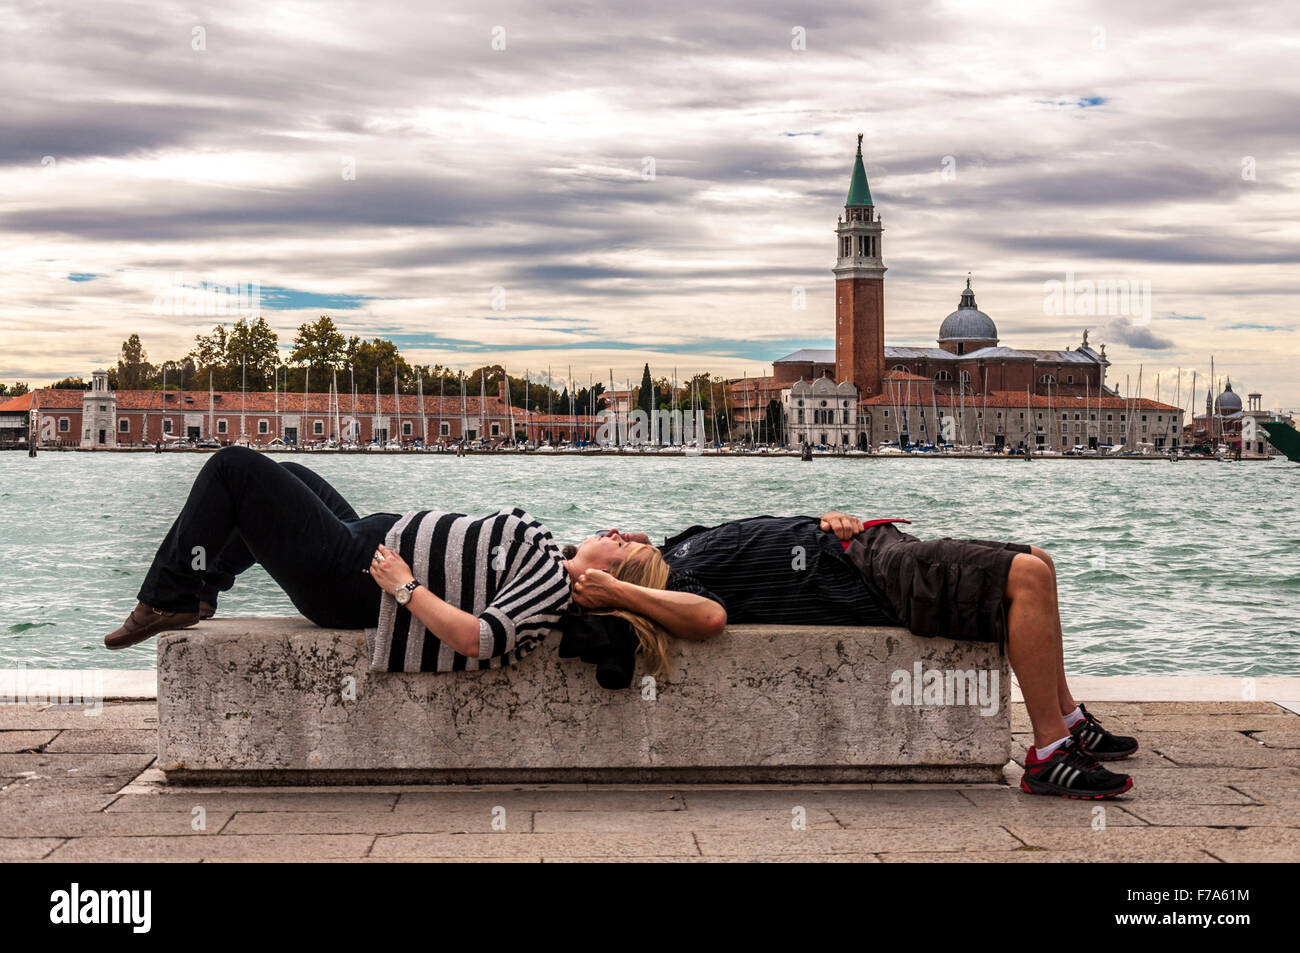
(596, 589)
(629, 537)
(841, 524)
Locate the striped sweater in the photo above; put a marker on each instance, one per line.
(504, 568)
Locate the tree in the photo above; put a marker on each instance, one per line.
(646, 393)
(133, 368)
(321, 347)
(208, 355)
(18, 389)
(376, 357)
(70, 383)
(254, 350)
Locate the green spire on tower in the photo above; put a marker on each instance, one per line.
(859, 193)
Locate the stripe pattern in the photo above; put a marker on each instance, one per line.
(504, 568)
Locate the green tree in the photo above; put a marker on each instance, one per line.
(646, 392)
(70, 383)
(18, 389)
(133, 368)
(322, 348)
(373, 360)
(207, 355)
(254, 350)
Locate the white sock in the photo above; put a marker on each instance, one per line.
(1046, 751)
(1073, 718)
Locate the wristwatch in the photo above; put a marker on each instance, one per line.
(403, 594)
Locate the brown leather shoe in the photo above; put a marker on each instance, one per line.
(206, 610)
(144, 622)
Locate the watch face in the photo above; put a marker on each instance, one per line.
(403, 596)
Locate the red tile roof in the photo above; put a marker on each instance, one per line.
(1011, 398)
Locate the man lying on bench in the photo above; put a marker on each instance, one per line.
(837, 570)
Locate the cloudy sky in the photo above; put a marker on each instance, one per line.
(603, 184)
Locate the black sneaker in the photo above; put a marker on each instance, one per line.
(1071, 772)
(1099, 742)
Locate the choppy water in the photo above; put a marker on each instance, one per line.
(1188, 568)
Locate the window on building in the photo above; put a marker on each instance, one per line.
(1047, 379)
(496, 430)
(103, 408)
(899, 367)
(318, 428)
(64, 425)
(123, 425)
(943, 376)
(1069, 379)
(263, 427)
(846, 416)
(406, 428)
(965, 377)
(222, 426)
(167, 425)
(444, 429)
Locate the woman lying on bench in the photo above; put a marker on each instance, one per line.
(454, 592)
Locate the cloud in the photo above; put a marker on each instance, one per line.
(1121, 328)
(526, 168)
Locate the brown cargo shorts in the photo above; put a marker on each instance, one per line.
(945, 588)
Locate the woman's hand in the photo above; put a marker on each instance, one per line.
(597, 589)
(389, 570)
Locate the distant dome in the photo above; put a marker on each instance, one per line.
(1227, 403)
(968, 322)
(847, 389)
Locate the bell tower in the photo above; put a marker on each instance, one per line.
(859, 289)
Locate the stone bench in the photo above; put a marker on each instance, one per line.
(280, 701)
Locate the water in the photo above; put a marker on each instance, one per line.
(1188, 568)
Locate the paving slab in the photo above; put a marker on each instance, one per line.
(646, 822)
(83, 824)
(84, 765)
(105, 740)
(111, 715)
(506, 844)
(880, 797)
(989, 837)
(12, 742)
(309, 801)
(1127, 855)
(377, 822)
(581, 798)
(1024, 809)
(1279, 737)
(229, 846)
(1156, 839)
(1169, 814)
(27, 848)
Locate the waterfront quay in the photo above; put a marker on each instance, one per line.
(1217, 781)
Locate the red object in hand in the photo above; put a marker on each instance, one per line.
(844, 543)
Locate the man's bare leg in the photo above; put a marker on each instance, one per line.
(1067, 702)
(1034, 645)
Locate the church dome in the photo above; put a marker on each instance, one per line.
(1227, 403)
(968, 322)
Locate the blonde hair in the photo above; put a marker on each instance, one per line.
(644, 566)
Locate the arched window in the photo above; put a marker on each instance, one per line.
(1047, 379)
(899, 367)
(943, 376)
(965, 377)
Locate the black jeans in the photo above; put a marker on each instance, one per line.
(245, 508)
